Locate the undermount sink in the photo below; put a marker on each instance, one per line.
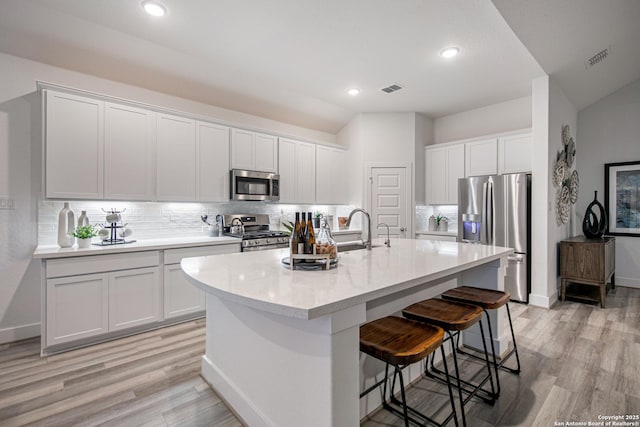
(353, 247)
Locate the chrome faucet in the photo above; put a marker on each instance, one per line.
(367, 244)
(388, 240)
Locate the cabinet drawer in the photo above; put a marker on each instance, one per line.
(101, 263)
(174, 256)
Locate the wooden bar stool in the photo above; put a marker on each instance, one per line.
(400, 342)
(454, 317)
(487, 299)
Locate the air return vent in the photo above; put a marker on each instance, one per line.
(597, 58)
(392, 88)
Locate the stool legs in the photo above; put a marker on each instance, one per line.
(406, 409)
(499, 365)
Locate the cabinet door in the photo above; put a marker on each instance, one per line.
(287, 171)
(324, 190)
(266, 153)
(77, 307)
(305, 172)
(436, 173)
(134, 298)
(331, 186)
(455, 171)
(129, 139)
(212, 162)
(481, 157)
(74, 141)
(176, 156)
(514, 153)
(180, 296)
(242, 149)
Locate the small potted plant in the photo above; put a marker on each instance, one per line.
(84, 233)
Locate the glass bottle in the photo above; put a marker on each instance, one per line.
(295, 235)
(310, 243)
(303, 235)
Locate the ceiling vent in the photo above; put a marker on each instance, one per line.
(597, 58)
(392, 88)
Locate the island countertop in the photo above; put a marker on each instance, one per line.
(259, 279)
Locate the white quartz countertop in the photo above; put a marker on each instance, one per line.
(259, 280)
(54, 251)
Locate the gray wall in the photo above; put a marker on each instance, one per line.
(609, 132)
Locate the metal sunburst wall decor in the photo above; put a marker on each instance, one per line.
(564, 178)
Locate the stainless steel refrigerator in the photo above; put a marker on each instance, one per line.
(495, 210)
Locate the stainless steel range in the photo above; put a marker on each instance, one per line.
(254, 231)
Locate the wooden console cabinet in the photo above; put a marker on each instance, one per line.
(587, 262)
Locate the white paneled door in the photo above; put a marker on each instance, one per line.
(389, 201)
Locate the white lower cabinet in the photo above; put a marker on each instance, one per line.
(77, 307)
(180, 296)
(134, 298)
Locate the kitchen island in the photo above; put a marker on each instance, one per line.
(282, 347)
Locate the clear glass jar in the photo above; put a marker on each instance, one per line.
(325, 243)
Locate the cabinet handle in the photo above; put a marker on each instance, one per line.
(403, 229)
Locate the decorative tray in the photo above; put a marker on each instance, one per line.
(310, 262)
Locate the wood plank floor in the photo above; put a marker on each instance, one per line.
(579, 361)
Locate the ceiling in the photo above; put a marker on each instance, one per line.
(293, 60)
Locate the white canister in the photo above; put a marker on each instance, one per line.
(66, 226)
(432, 223)
(444, 225)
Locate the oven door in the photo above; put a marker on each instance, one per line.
(265, 247)
(254, 185)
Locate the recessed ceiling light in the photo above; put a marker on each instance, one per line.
(353, 91)
(449, 52)
(154, 8)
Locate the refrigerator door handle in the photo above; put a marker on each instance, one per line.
(519, 259)
(484, 224)
(490, 214)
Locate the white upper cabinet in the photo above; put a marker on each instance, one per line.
(74, 146)
(212, 162)
(481, 157)
(129, 142)
(444, 166)
(297, 172)
(331, 185)
(514, 153)
(176, 158)
(254, 151)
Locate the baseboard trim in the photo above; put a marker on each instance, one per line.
(240, 405)
(543, 300)
(628, 282)
(19, 333)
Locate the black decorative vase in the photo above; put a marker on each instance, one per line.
(593, 226)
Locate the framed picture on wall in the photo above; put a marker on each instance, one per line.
(622, 198)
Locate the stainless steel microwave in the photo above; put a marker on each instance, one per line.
(254, 185)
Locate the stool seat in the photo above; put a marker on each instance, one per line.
(488, 299)
(451, 316)
(399, 341)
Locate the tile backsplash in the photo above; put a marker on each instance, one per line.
(424, 212)
(150, 220)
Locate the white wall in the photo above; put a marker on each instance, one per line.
(609, 132)
(561, 112)
(20, 172)
(550, 111)
(424, 136)
(496, 118)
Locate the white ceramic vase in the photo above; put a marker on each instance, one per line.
(66, 226)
